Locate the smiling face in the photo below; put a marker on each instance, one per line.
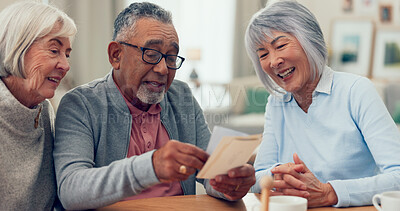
(284, 60)
(45, 64)
(141, 83)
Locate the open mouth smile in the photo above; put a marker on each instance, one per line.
(287, 73)
(153, 83)
(55, 80)
(154, 86)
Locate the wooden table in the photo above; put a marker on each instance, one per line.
(204, 202)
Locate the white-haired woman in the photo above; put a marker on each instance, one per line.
(35, 43)
(335, 122)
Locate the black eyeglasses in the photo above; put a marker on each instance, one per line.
(152, 56)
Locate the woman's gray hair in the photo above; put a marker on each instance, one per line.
(286, 16)
(21, 25)
(124, 24)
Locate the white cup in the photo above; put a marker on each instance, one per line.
(390, 201)
(287, 203)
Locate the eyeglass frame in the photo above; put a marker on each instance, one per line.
(143, 49)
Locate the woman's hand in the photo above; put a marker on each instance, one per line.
(296, 179)
(287, 181)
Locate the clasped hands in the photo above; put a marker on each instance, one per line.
(297, 180)
(176, 161)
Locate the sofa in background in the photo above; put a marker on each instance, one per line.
(391, 96)
(247, 98)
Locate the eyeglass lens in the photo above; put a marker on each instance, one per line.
(154, 57)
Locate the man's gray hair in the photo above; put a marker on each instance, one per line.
(21, 25)
(125, 22)
(286, 16)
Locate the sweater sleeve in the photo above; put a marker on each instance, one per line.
(267, 156)
(82, 185)
(383, 140)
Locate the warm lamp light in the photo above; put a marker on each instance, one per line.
(193, 54)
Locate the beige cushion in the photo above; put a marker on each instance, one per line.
(237, 89)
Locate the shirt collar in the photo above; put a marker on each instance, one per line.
(135, 112)
(324, 84)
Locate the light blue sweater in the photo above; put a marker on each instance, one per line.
(347, 138)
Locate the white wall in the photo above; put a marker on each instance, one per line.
(207, 25)
(203, 18)
(5, 3)
(327, 11)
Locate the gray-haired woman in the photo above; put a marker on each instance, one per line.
(335, 122)
(35, 43)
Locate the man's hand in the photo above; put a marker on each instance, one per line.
(236, 183)
(168, 160)
(297, 179)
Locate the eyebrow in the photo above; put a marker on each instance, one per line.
(272, 42)
(157, 42)
(260, 49)
(276, 39)
(59, 42)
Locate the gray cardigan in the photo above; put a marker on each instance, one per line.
(27, 178)
(93, 127)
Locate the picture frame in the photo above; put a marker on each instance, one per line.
(386, 13)
(347, 6)
(387, 54)
(351, 46)
(366, 7)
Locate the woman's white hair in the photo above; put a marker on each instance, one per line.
(286, 16)
(22, 24)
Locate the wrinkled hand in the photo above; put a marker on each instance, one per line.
(287, 182)
(296, 179)
(168, 159)
(236, 183)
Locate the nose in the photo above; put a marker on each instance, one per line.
(276, 61)
(161, 67)
(63, 64)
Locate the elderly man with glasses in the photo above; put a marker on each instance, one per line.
(136, 133)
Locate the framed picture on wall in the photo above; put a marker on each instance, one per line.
(387, 54)
(347, 5)
(386, 13)
(350, 47)
(366, 6)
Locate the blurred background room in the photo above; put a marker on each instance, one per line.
(363, 37)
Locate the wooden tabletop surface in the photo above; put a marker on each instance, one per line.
(204, 202)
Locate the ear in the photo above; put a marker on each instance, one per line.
(114, 54)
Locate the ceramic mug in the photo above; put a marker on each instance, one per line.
(390, 201)
(287, 203)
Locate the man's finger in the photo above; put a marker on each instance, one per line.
(225, 179)
(192, 150)
(242, 171)
(189, 161)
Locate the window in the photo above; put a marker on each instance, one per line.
(207, 25)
